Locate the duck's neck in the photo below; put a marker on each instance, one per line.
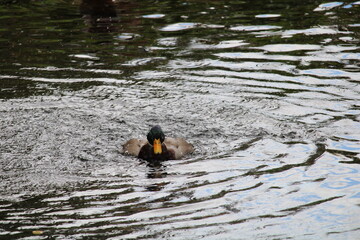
(147, 153)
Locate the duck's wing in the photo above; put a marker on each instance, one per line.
(133, 146)
(180, 146)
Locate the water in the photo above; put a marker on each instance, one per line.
(267, 91)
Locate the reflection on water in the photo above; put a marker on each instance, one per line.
(268, 93)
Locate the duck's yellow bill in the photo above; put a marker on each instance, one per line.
(157, 146)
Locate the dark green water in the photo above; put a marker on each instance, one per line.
(267, 91)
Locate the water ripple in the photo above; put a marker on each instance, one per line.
(328, 6)
(254, 28)
(179, 26)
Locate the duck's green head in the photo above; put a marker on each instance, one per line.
(155, 137)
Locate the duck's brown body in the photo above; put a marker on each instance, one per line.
(172, 149)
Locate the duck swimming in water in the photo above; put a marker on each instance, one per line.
(157, 148)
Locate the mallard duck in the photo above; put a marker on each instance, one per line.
(157, 148)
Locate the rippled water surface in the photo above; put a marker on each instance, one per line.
(267, 91)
